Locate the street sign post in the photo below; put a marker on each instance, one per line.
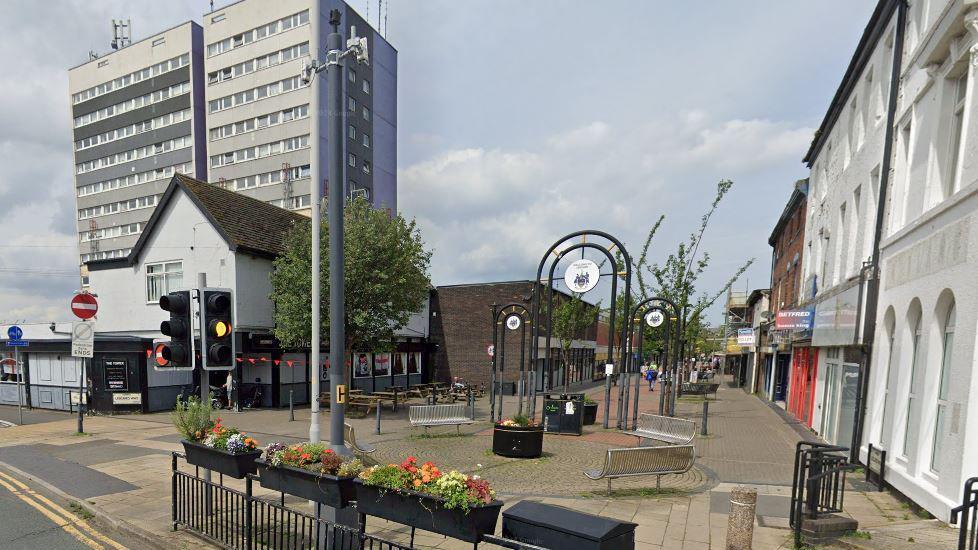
(15, 337)
(19, 373)
(84, 305)
(82, 339)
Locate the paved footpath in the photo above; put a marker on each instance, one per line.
(122, 471)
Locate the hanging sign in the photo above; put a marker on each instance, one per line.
(82, 339)
(581, 276)
(513, 322)
(655, 318)
(745, 337)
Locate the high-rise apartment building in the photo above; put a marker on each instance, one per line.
(137, 118)
(258, 116)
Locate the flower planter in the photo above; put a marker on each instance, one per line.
(590, 413)
(333, 491)
(232, 465)
(426, 512)
(517, 441)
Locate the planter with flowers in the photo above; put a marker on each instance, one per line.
(210, 444)
(590, 410)
(518, 437)
(310, 471)
(448, 503)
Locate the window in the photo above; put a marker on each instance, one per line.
(163, 278)
(352, 102)
(912, 392)
(960, 87)
(218, 18)
(159, 42)
(942, 391)
(366, 166)
(366, 140)
(366, 113)
(351, 159)
(352, 75)
(366, 86)
(352, 132)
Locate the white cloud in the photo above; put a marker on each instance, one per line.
(490, 213)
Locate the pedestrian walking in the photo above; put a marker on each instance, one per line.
(650, 376)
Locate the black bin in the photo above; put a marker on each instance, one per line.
(563, 413)
(557, 527)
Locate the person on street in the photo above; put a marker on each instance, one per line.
(229, 387)
(650, 376)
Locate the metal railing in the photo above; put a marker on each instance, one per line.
(240, 520)
(969, 510)
(818, 483)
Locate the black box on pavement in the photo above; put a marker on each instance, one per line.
(563, 413)
(557, 527)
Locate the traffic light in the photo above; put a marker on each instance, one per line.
(217, 335)
(178, 353)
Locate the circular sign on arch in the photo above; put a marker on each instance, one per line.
(655, 318)
(581, 276)
(513, 322)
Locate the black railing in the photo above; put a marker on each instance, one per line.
(818, 483)
(240, 520)
(969, 509)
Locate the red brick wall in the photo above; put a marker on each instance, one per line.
(788, 250)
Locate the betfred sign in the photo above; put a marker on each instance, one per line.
(794, 319)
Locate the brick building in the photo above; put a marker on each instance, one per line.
(792, 382)
(461, 329)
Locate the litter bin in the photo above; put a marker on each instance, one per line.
(563, 413)
(552, 526)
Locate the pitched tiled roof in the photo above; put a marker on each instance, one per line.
(248, 224)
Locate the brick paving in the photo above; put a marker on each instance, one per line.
(749, 443)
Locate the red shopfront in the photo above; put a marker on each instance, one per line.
(801, 395)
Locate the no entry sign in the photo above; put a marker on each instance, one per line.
(84, 306)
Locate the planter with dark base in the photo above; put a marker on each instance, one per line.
(590, 413)
(517, 441)
(333, 491)
(231, 465)
(425, 512)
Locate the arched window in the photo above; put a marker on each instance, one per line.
(912, 391)
(889, 323)
(942, 390)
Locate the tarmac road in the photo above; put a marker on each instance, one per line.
(31, 519)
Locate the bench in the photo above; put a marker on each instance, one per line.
(439, 415)
(350, 438)
(699, 388)
(641, 461)
(677, 431)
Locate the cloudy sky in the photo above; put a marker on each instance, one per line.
(518, 123)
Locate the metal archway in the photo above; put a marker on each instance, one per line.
(538, 306)
(501, 318)
(641, 310)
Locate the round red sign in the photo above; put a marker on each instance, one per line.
(84, 306)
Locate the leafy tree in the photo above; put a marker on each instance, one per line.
(571, 318)
(386, 278)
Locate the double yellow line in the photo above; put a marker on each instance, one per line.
(68, 522)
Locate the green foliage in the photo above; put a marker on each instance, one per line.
(676, 279)
(193, 418)
(571, 318)
(350, 468)
(388, 477)
(521, 420)
(386, 278)
(588, 400)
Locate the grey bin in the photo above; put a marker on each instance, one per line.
(557, 419)
(558, 528)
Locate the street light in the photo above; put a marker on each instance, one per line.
(333, 66)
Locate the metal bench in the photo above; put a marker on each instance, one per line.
(699, 388)
(350, 439)
(439, 415)
(677, 431)
(641, 461)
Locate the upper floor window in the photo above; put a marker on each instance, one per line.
(959, 89)
(163, 278)
(366, 86)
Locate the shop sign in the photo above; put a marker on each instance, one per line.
(127, 399)
(835, 319)
(794, 319)
(116, 377)
(745, 337)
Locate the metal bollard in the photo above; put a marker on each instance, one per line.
(740, 522)
(471, 405)
(706, 416)
(378, 418)
(291, 408)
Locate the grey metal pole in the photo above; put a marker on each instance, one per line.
(315, 199)
(492, 386)
(638, 388)
(378, 418)
(291, 408)
(335, 200)
(706, 415)
(607, 399)
(205, 386)
(19, 370)
(81, 397)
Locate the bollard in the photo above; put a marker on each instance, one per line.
(471, 405)
(740, 522)
(378, 418)
(706, 415)
(291, 408)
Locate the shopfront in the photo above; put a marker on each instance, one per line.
(801, 393)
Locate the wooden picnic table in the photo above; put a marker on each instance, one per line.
(388, 395)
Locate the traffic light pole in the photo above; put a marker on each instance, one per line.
(335, 196)
(205, 382)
